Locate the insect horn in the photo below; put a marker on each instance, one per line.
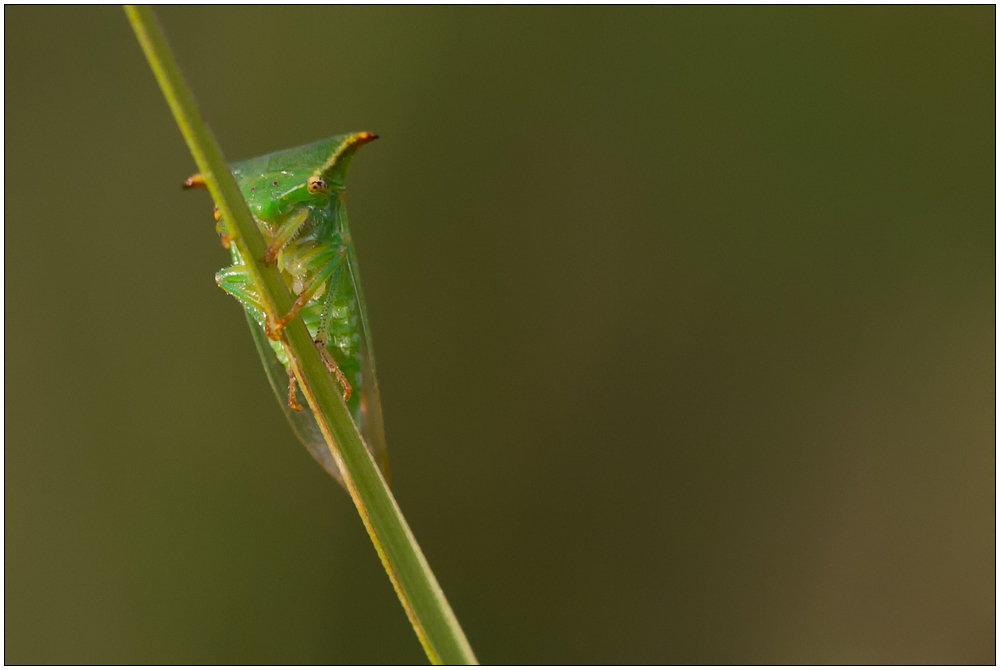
(196, 181)
(335, 168)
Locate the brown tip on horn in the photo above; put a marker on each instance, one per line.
(196, 181)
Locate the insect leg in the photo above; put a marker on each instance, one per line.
(332, 366)
(236, 281)
(323, 337)
(293, 404)
(326, 316)
(333, 259)
(222, 229)
(197, 181)
(286, 233)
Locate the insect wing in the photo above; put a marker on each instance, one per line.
(303, 423)
(372, 428)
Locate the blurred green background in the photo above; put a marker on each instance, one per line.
(684, 320)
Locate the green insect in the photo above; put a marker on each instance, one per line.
(297, 199)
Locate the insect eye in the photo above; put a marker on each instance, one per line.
(318, 185)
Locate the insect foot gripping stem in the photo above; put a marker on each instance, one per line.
(273, 328)
(293, 404)
(220, 227)
(332, 366)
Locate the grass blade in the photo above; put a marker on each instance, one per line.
(422, 598)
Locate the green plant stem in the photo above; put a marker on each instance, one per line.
(422, 598)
